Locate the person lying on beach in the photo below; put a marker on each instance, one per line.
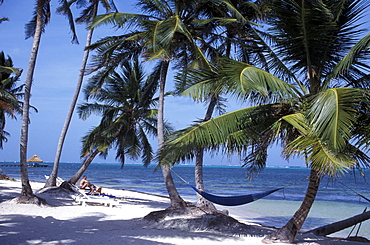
(84, 183)
(97, 191)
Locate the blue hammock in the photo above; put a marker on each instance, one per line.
(233, 200)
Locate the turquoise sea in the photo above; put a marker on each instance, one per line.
(337, 198)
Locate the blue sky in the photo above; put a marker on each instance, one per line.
(56, 73)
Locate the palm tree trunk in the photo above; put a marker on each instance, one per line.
(90, 158)
(85, 165)
(198, 171)
(54, 173)
(290, 230)
(340, 225)
(176, 200)
(27, 193)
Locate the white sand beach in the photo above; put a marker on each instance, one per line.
(67, 222)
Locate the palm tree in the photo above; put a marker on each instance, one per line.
(34, 29)
(86, 17)
(317, 112)
(234, 30)
(125, 103)
(167, 32)
(10, 94)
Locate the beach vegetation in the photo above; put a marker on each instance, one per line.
(313, 101)
(87, 15)
(10, 94)
(125, 102)
(229, 33)
(305, 79)
(34, 29)
(167, 32)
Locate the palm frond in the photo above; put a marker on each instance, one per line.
(118, 20)
(333, 114)
(298, 121)
(123, 101)
(3, 19)
(197, 84)
(319, 33)
(65, 9)
(243, 80)
(349, 60)
(319, 157)
(232, 131)
(42, 10)
(9, 70)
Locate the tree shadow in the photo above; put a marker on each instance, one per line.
(142, 201)
(8, 193)
(27, 229)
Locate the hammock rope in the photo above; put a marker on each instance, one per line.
(232, 200)
(357, 193)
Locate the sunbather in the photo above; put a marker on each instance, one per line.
(84, 184)
(97, 191)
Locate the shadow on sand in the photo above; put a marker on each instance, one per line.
(24, 229)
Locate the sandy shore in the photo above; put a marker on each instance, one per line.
(66, 222)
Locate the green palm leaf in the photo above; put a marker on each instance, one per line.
(118, 20)
(360, 48)
(243, 79)
(333, 114)
(124, 103)
(233, 131)
(239, 79)
(9, 70)
(320, 157)
(298, 121)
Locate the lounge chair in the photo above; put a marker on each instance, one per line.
(82, 198)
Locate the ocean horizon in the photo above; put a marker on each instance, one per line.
(337, 198)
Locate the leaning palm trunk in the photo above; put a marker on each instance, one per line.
(176, 200)
(85, 165)
(290, 230)
(198, 171)
(90, 158)
(340, 225)
(52, 178)
(27, 195)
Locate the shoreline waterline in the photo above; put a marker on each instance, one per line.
(333, 203)
(66, 222)
(263, 212)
